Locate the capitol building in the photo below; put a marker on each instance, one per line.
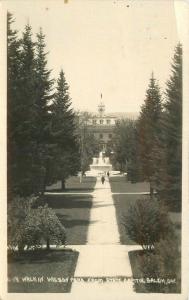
(101, 125)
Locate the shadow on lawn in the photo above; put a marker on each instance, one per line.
(68, 222)
(68, 201)
(42, 256)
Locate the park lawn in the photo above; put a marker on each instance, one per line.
(119, 184)
(86, 185)
(73, 184)
(74, 213)
(41, 264)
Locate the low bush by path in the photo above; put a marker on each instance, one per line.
(122, 204)
(119, 184)
(73, 184)
(41, 271)
(74, 212)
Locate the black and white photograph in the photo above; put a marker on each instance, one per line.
(96, 145)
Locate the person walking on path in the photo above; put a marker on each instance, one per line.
(108, 174)
(102, 179)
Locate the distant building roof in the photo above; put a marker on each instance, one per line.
(124, 115)
(117, 115)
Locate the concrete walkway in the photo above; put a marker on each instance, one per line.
(103, 228)
(103, 256)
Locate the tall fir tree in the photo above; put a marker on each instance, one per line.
(149, 131)
(13, 94)
(43, 96)
(88, 144)
(172, 126)
(43, 87)
(24, 130)
(125, 148)
(63, 131)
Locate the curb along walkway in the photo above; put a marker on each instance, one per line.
(103, 256)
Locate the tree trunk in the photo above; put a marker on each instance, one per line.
(63, 187)
(48, 244)
(151, 192)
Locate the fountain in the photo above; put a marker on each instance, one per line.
(100, 164)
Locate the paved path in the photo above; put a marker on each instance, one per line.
(103, 256)
(103, 228)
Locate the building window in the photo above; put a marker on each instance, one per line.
(101, 121)
(94, 122)
(108, 121)
(101, 136)
(110, 135)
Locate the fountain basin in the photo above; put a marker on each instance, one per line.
(100, 164)
(101, 168)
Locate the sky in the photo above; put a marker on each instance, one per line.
(105, 46)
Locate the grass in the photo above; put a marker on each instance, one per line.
(40, 265)
(73, 210)
(74, 213)
(73, 184)
(87, 184)
(121, 185)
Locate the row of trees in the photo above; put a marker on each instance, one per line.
(43, 144)
(150, 148)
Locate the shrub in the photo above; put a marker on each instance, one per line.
(146, 222)
(17, 211)
(169, 256)
(32, 227)
(150, 268)
(51, 229)
(163, 265)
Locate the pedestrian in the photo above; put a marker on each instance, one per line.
(108, 174)
(80, 177)
(102, 179)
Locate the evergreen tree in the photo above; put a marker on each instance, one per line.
(21, 110)
(172, 125)
(43, 87)
(88, 144)
(63, 131)
(125, 148)
(24, 118)
(43, 96)
(13, 84)
(149, 132)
